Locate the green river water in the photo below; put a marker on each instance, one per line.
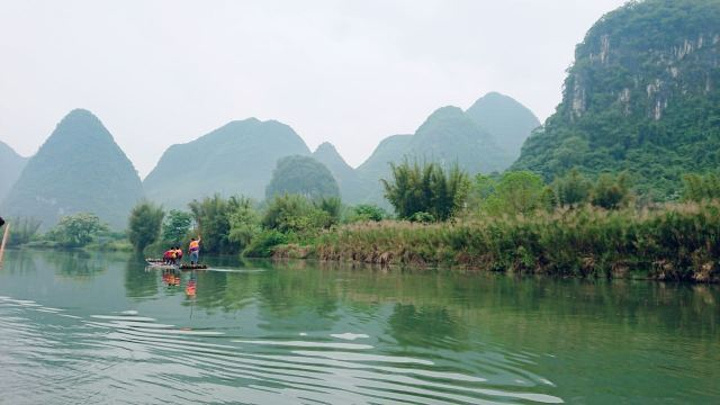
(79, 328)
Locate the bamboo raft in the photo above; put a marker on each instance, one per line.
(160, 264)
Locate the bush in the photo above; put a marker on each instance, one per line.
(426, 188)
(263, 244)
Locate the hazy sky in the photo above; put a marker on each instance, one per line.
(349, 72)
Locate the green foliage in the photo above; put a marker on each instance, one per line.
(304, 176)
(672, 242)
(244, 224)
(212, 216)
(700, 188)
(573, 189)
(427, 189)
(291, 213)
(176, 226)
(643, 96)
(332, 206)
(263, 244)
(611, 192)
(76, 230)
(366, 212)
(515, 193)
(144, 225)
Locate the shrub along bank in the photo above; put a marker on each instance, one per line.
(672, 242)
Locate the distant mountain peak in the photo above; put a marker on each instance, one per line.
(79, 168)
(326, 147)
(237, 158)
(507, 120)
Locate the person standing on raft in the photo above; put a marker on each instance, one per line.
(194, 249)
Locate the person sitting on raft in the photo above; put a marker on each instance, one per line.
(166, 256)
(178, 254)
(194, 249)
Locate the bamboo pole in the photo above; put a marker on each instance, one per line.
(4, 240)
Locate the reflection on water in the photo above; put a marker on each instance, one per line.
(96, 329)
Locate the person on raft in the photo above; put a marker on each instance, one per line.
(170, 256)
(178, 254)
(194, 249)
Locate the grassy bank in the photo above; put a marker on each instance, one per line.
(674, 242)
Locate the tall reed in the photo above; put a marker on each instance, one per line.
(672, 242)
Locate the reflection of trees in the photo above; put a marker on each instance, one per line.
(76, 264)
(426, 326)
(139, 283)
(19, 261)
(298, 299)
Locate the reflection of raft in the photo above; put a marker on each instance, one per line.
(160, 264)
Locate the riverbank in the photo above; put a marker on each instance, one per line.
(676, 242)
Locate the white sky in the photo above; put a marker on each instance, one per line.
(352, 72)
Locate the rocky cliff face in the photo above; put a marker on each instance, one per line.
(80, 168)
(642, 96)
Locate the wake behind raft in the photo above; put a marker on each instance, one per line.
(160, 264)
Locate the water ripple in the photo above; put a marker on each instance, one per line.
(131, 358)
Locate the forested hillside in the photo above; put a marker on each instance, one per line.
(643, 95)
(80, 168)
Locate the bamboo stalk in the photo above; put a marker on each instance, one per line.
(4, 240)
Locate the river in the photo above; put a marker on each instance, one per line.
(86, 328)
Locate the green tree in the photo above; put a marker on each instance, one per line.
(701, 187)
(244, 224)
(293, 213)
(414, 189)
(332, 206)
(176, 226)
(144, 225)
(572, 189)
(517, 193)
(611, 192)
(212, 216)
(77, 230)
(302, 175)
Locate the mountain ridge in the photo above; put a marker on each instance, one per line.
(79, 168)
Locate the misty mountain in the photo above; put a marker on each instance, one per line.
(505, 119)
(643, 95)
(449, 136)
(237, 158)
(79, 168)
(352, 188)
(11, 165)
